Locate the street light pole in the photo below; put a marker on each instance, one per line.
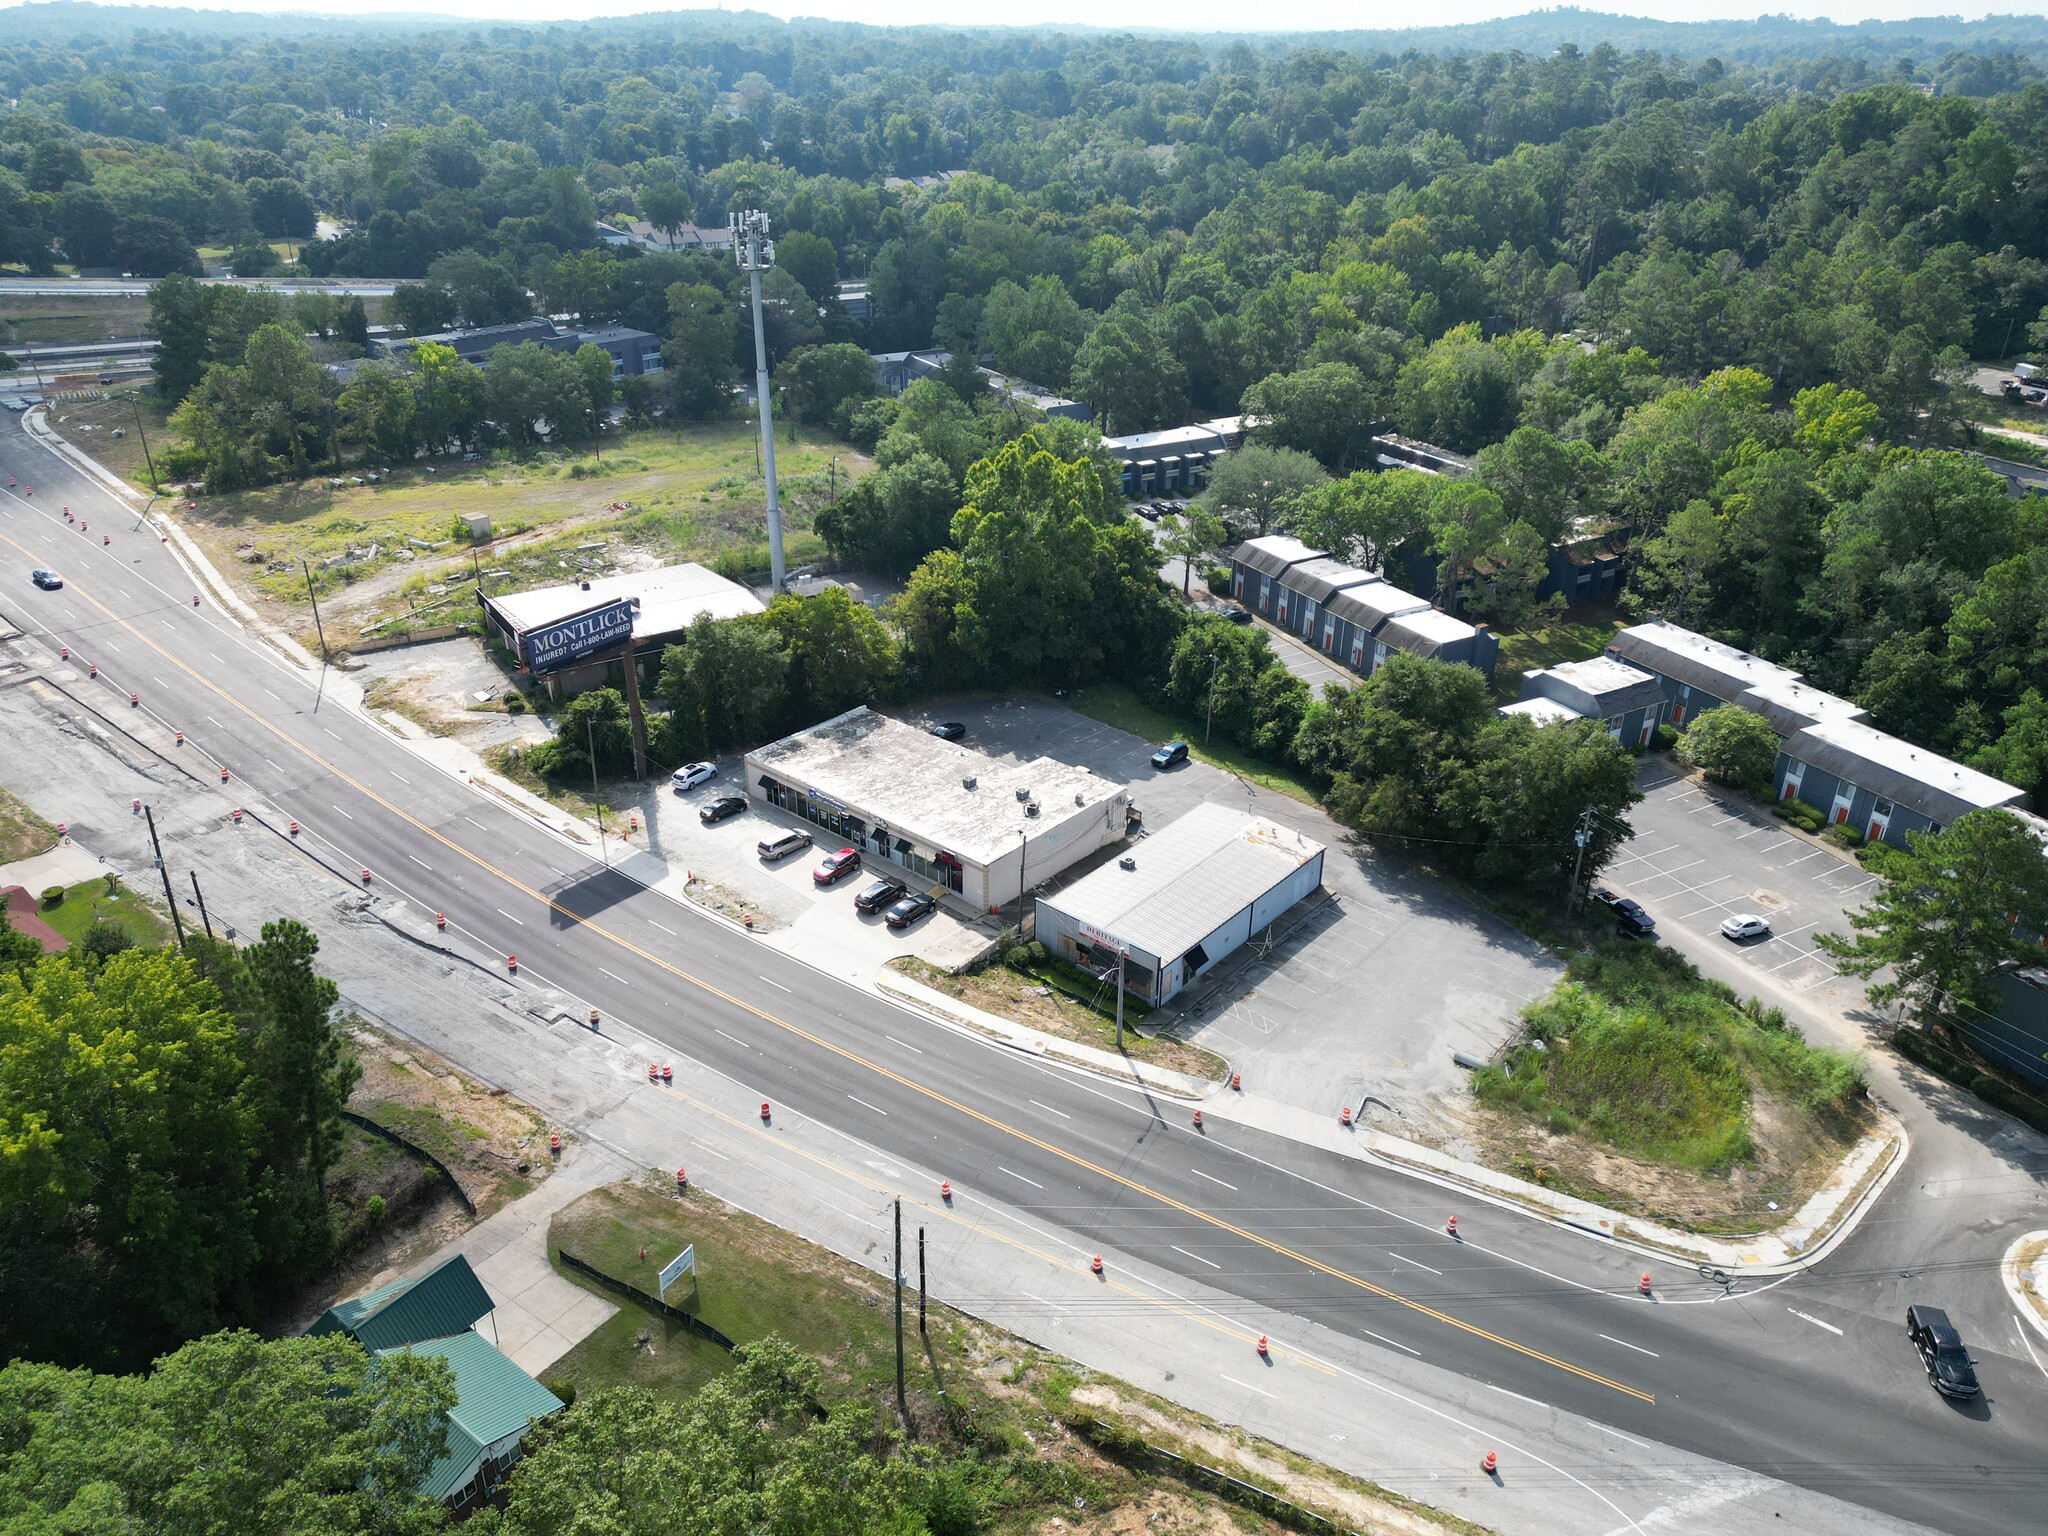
(755, 253)
(315, 601)
(590, 737)
(1582, 836)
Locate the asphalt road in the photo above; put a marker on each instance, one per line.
(1809, 1379)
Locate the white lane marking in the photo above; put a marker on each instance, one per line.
(503, 913)
(1043, 1302)
(216, 655)
(864, 1104)
(615, 976)
(398, 776)
(714, 1152)
(423, 864)
(477, 824)
(1212, 1179)
(337, 809)
(159, 682)
(1416, 1262)
(324, 728)
(1631, 1439)
(1050, 1110)
(1395, 1342)
(1831, 1328)
(1624, 1343)
(1247, 1386)
(111, 646)
(669, 931)
(1195, 1256)
(2019, 1327)
(274, 763)
(1016, 1175)
(266, 690)
(560, 874)
(735, 1039)
(778, 986)
(216, 722)
(1504, 1392)
(894, 1041)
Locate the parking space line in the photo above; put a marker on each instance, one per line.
(1804, 857)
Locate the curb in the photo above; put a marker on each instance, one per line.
(2027, 1299)
(1008, 1043)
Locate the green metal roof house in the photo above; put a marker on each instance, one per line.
(495, 1401)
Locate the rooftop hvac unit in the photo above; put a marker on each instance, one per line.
(1030, 807)
(968, 782)
(1126, 862)
(1023, 794)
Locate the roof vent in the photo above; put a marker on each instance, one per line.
(1023, 794)
(1079, 798)
(968, 782)
(585, 585)
(1126, 862)
(1031, 808)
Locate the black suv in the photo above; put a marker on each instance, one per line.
(1630, 920)
(877, 894)
(1949, 1366)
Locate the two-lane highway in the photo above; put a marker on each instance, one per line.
(1808, 1380)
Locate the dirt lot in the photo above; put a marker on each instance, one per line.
(436, 687)
(496, 1145)
(91, 424)
(23, 833)
(1757, 1195)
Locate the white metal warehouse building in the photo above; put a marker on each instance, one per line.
(1193, 892)
(984, 828)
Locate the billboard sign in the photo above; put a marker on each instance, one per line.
(570, 640)
(679, 1266)
(1101, 940)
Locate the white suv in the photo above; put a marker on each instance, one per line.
(690, 775)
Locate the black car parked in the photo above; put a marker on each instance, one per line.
(949, 730)
(877, 894)
(912, 907)
(1950, 1370)
(721, 808)
(1630, 920)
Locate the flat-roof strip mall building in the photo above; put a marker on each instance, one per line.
(983, 828)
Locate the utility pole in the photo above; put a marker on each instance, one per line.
(170, 901)
(202, 903)
(1209, 720)
(902, 1404)
(755, 253)
(315, 601)
(1121, 953)
(590, 737)
(920, 1280)
(1583, 835)
(135, 400)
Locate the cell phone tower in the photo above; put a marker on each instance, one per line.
(755, 253)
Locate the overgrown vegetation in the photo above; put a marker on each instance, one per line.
(1640, 1053)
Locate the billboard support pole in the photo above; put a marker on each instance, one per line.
(633, 708)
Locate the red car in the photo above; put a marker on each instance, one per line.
(835, 867)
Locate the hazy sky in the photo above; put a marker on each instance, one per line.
(1185, 15)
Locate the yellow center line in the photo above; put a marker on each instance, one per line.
(845, 1054)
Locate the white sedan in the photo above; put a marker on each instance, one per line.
(1744, 925)
(690, 775)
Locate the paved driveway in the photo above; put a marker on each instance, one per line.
(1699, 856)
(1368, 995)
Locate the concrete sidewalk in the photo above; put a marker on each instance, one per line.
(539, 1316)
(1825, 1218)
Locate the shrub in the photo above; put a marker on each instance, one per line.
(103, 940)
(515, 705)
(563, 1388)
(374, 1208)
(53, 896)
(1731, 746)
(1842, 835)
(1664, 738)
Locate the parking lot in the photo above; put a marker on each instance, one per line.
(1699, 856)
(1369, 995)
